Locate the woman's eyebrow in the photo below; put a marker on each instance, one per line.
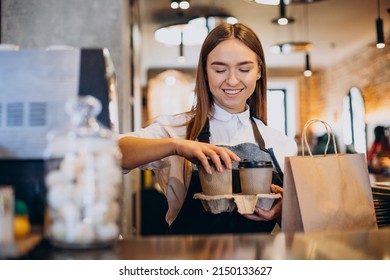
(218, 63)
(224, 64)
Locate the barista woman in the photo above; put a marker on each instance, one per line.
(227, 124)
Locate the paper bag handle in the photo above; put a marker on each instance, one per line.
(329, 132)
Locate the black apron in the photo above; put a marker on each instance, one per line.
(193, 219)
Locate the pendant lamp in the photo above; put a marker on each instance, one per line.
(282, 19)
(307, 73)
(176, 4)
(380, 41)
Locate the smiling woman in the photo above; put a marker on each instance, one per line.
(226, 125)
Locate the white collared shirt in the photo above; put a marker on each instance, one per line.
(225, 129)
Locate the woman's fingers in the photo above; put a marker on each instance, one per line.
(197, 151)
(227, 156)
(222, 158)
(271, 214)
(261, 215)
(276, 189)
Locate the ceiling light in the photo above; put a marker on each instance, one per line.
(380, 42)
(192, 32)
(379, 34)
(175, 4)
(307, 73)
(181, 58)
(172, 34)
(184, 5)
(265, 2)
(291, 47)
(283, 19)
(211, 21)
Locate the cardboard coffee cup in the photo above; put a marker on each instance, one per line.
(255, 177)
(216, 183)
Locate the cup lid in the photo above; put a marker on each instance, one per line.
(255, 164)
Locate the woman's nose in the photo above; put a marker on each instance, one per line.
(232, 79)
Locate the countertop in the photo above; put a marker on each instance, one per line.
(337, 245)
(345, 245)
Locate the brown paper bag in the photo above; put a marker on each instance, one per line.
(326, 192)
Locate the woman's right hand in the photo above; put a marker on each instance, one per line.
(198, 151)
(156, 149)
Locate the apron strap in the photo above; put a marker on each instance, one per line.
(204, 135)
(259, 139)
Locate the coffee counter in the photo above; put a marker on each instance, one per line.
(343, 245)
(351, 245)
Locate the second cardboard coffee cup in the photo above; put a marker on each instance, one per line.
(255, 177)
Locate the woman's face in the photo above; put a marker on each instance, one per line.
(232, 72)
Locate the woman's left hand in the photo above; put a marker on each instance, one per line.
(274, 213)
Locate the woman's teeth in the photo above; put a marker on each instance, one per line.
(231, 91)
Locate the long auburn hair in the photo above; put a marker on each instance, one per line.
(204, 105)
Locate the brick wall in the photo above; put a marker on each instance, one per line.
(368, 69)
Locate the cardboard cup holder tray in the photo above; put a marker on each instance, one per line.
(245, 203)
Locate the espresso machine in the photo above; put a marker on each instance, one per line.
(34, 87)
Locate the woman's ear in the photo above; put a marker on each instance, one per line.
(258, 73)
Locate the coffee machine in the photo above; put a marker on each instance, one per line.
(34, 87)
